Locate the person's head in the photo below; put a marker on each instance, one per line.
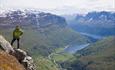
(17, 27)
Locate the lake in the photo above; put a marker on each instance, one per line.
(73, 48)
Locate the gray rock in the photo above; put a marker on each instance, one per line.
(29, 63)
(20, 54)
(5, 45)
(24, 59)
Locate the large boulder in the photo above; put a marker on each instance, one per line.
(5, 45)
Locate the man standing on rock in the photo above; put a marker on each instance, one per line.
(17, 33)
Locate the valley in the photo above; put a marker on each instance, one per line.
(55, 43)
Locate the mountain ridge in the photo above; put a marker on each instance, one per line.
(98, 23)
(41, 19)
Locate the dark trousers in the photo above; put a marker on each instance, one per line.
(18, 43)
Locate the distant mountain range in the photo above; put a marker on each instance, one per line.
(97, 18)
(99, 23)
(27, 17)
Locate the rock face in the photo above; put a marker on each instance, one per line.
(24, 59)
(19, 54)
(5, 45)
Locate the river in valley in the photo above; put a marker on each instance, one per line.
(73, 48)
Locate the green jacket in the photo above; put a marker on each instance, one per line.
(17, 33)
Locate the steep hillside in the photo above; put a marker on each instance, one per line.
(8, 62)
(98, 56)
(45, 64)
(99, 47)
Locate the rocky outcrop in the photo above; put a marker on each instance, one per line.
(5, 45)
(23, 58)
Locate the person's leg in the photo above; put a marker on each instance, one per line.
(18, 43)
(12, 41)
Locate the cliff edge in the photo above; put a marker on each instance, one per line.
(14, 59)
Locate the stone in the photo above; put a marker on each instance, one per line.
(5, 45)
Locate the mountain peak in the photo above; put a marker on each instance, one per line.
(26, 17)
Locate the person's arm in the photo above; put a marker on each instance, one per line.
(21, 32)
(13, 33)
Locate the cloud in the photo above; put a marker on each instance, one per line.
(86, 5)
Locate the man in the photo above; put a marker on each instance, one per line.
(17, 33)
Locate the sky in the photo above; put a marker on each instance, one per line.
(60, 6)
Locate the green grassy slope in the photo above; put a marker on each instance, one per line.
(45, 64)
(50, 38)
(99, 47)
(98, 56)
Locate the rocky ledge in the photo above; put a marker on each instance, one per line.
(20, 55)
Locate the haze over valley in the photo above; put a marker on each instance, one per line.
(60, 34)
